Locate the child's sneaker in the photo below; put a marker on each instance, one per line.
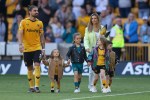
(79, 89)
(76, 91)
(108, 89)
(90, 89)
(57, 91)
(104, 90)
(37, 90)
(93, 89)
(31, 90)
(52, 90)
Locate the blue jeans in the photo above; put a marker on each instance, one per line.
(124, 12)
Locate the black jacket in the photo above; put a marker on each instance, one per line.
(75, 56)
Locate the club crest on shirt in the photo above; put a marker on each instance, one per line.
(38, 25)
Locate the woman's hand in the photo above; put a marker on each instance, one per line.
(88, 50)
(68, 62)
(89, 63)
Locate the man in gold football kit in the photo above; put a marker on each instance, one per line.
(32, 44)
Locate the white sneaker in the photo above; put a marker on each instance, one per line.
(57, 91)
(104, 90)
(76, 91)
(79, 89)
(108, 89)
(93, 89)
(90, 89)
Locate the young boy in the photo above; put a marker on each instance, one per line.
(110, 64)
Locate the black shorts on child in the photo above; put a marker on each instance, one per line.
(97, 68)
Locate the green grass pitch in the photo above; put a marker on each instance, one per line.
(14, 87)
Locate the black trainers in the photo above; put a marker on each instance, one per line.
(37, 90)
(31, 90)
(52, 90)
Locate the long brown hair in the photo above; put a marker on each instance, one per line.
(90, 24)
(104, 41)
(52, 55)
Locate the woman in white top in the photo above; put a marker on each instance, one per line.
(92, 32)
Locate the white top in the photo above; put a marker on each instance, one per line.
(127, 27)
(57, 31)
(76, 7)
(101, 5)
(124, 3)
(97, 35)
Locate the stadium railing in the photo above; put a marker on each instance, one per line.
(136, 52)
(131, 52)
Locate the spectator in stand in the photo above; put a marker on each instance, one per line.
(15, 26)
(26, 3)
(82, 22)
(89, 2)
(62, 14)
(77, 6)
(124, 7)
(109, 12)
(130, 30)
(111, 16)
(70, 16)
(2, 28)
(44, 13)
(144, 8)
(11, 5)
(55, 5)
(113, 3)
(116, 37)
(68, 2)
(49, 36)
(58, 29)
(101, 5)
(19, 10)
(3, 9)
(34, 2)
(106, 20)
(144, 35)
(69, 32)
(89, 8)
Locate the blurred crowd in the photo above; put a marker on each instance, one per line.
(63, 18)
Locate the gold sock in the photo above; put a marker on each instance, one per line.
(30, 78)
(58, 84)
(104, 83)
(110, 82)
(52, 84)
(37, 76)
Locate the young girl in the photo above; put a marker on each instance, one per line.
(77, 54)
(97, 60)
(56, 65)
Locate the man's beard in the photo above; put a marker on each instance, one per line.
(36, 15)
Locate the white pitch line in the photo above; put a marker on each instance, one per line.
(8, 92)
(107, 95)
